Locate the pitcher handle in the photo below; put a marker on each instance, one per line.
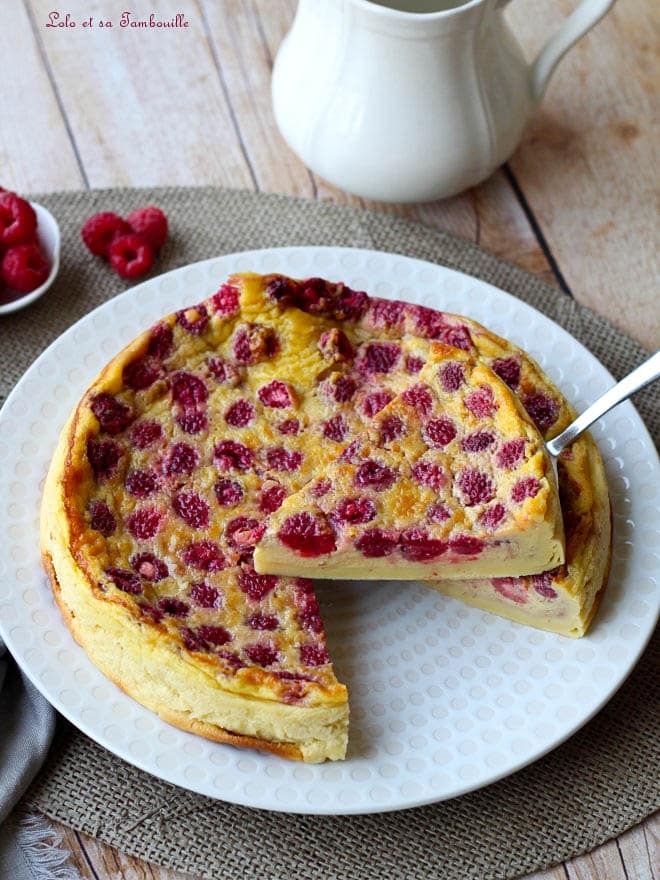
(581, 20)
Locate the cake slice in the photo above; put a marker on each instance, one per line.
(451, 480)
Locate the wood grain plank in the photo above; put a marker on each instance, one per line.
(144, 105)
(36, 152)
(635, 852)
(604, 862)
(587, 162)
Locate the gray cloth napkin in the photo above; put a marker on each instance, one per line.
(27, 724)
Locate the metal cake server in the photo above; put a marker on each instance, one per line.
(646, 373)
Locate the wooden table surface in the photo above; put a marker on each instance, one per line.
(576, 205)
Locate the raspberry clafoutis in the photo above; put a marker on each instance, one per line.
(451, 479)
(170, 470)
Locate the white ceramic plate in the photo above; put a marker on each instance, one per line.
(444, 699)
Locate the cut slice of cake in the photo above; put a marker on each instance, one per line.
(451, 480)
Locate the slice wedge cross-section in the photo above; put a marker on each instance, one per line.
(451, 480)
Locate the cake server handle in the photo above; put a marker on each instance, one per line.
(646, 373)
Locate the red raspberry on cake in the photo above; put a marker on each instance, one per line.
(100, 230)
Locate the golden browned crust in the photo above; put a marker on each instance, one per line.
(176, 719)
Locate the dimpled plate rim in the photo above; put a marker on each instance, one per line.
(444, 699)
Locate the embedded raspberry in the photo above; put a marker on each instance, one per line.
(438, 513)
(141, 373)
(429, 474)
(419, 397)
(491, 517)
(529, 487)
(350, 304)
(508, 369)
(417, 546)
(253, 343)
(150, 567)
(376, 401)
(289, 427)
(511, 588)
(244, 532)
(256, 586)
(477, 487)
(103, 456)
(267, 622)
(272, 498)
(313, 655)
(192, 509)
(145, 434)
(281, 459)
(223, 371)
(18, 221)
(458, 337)
(192, 422)
(240, 413)
(342, 389)
(192, 640)
(130, 256)
(387, 313)
(151, 224)
(466, 545)
(195, 319)
(262, 655)
(413, 363)
(438, 432)
(351, 452)
(228, 492)
(375, 543)
(173, 607)
(225, 301)
(541, 584)
(308, 608)
(181, 459)
(204, 595)
(144, 522)
(451, 376)
(543, 410)
(281, 289)
(335, 428)
(478, 442)
(113, 415)
(160, 343)
(100, 230)
(511, 453)
(354, 510)
(24, 267)
(375, 475)
(101, 518)
(125, 580)
(378, 357)
(321, 488)
(481, 402)
(304, 534)
(429, 323)
(228, 455)
(188, 390)
(204, 555)
(335, 345)
(313, 296)
(214, 635)
(391, 428)
(276, 394)
(140, 484)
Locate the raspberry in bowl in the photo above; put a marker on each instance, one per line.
(27, 263)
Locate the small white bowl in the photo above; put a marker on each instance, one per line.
(48, 235)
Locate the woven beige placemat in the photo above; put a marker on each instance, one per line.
(598, 784)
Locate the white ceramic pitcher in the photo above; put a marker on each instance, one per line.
(394, 102)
